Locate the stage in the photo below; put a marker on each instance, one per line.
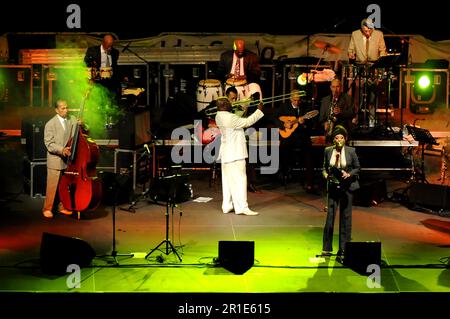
(287, 236)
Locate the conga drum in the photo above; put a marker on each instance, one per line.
(207, 91)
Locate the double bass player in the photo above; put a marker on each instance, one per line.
(58, 130)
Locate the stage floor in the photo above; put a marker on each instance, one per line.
(287, 236)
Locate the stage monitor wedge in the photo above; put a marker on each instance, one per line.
(236, 256)
(57, 252)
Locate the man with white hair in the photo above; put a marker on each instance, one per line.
(366, 43)
(366, 46)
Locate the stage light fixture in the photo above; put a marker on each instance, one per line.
(302, 79)
(424, 81)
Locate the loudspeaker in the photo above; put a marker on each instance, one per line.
(359, 255)
(370, 193)
(236, 256)
(116, 187)
(429, 195)
(33, 133)
(57, 252)
(134, 129)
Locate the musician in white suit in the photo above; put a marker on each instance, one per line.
(57, 132)
(232, 154)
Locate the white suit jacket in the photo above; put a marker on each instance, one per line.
(233, 145)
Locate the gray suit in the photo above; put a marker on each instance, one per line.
(55, 139)
(342, 197)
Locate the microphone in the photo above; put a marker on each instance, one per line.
(126, 47)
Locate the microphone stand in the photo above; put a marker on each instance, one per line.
(131, 208)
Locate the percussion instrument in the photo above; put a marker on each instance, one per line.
(327, 47)
(106, 72)
(207, 91)
(236, 82)
(92, 73)
(245, 91)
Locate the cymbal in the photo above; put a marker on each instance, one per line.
(327, 47)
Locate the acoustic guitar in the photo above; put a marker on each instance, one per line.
(293, 120)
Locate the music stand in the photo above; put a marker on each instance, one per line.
(423, 136)
(170, 184)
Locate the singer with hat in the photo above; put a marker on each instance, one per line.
(340, 168)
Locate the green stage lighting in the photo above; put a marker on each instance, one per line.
(424, 81)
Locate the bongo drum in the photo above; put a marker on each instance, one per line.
(105, 72)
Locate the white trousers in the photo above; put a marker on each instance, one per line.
(234, 186)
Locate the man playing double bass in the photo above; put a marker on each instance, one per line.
(58, 130)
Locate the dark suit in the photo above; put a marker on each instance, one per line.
(344, 102)
(299, 140)
(342, 196)
(251, 66)
(93, 58)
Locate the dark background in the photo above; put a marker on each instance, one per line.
(136, 19)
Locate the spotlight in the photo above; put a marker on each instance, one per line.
(424, 81)
(302, 79)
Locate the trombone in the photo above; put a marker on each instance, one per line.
(237, 105)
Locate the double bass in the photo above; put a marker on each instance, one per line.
(80, 189)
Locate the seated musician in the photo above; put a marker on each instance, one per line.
(239, 64)
(292, 121)
(336, 109)
(240, 68)
(102, 60)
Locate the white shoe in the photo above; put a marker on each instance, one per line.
(228, 211)
(248, 213)
(47, 214)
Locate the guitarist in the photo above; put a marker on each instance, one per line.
(298, 140)
(340, 169)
